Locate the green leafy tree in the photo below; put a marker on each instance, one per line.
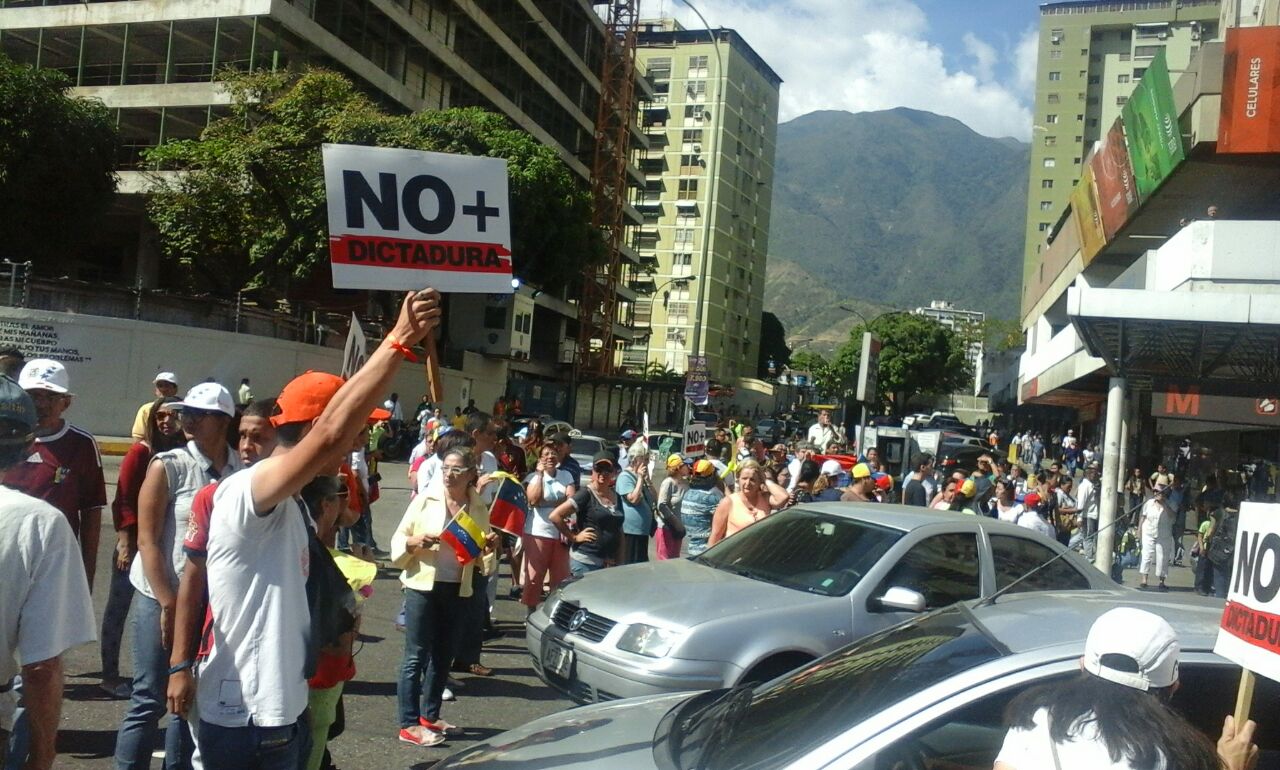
(825, 379)
(57, 155)
(249, 208)
(918, 355)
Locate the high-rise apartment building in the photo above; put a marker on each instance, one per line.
(1091, 54)
(967, 323)
(712, 137)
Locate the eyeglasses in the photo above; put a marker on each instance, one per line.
(454, 470)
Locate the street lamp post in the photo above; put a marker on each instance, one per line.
(717, 121)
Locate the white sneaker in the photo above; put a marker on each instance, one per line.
(448, 694)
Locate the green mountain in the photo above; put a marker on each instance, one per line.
(891, 209)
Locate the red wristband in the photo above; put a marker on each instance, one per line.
(401, 348)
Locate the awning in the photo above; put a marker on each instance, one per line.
(1216, 338)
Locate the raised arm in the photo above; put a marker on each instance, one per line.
(343, 418)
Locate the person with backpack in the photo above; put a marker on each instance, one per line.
(1221, 540)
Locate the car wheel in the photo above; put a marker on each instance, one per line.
(772, 668)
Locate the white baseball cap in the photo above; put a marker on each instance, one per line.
(45, 374)
(831, 468)
(1146, 638)
(210, 397)
(169, 377)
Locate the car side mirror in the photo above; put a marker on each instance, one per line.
(905, 599)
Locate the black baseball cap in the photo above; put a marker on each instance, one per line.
(17, 413)
(604, 458)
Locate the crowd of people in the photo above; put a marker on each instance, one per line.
(245, 548)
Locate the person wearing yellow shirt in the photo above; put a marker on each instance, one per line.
(166, 384)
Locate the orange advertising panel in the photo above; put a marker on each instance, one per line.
(1250, 81)
(1084, 209)
(1113, 176)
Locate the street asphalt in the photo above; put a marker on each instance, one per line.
(484, 707)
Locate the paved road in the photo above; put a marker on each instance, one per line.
(485, 707)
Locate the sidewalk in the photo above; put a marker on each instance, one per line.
(114, 446)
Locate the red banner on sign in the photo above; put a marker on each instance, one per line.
(1250, 81)
(1261, 629)
(420, 255)
(1113, 176)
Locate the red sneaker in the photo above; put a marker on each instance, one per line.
(419, 737)
(439, 726)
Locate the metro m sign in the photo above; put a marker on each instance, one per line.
(405, 219)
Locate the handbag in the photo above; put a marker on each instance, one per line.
(671, 520)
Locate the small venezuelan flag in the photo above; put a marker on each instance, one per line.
(466, 536)
(510, 507)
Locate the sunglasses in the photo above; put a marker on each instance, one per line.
(604, 468)
(454, 470)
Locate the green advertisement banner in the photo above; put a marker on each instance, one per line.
(1151, 128)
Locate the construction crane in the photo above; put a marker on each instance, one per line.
(598, 305)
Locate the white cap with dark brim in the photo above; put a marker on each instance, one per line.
(1146, 638)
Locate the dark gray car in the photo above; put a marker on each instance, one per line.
(928, 693)
(778, 594)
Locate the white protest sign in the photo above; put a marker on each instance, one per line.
(354, 352)
(695, 440)
(407, 219)
(1250, 631)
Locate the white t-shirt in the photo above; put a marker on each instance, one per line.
(822, 435)
(554, 492)
(1032, 520)
(1009, 514)
(257, 570)
(1087, 498)
(1157, 520)
(1033, 749)
(46, 608)
(419, 450)
(427, 472)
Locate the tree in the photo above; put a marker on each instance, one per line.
(57, 160)
(917, 355)
(773, 346)
(249, 208)
(825, 380)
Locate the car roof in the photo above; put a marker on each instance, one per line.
(1036, 620)
(906, 517)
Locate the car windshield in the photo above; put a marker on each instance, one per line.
(785, 720)
(585, 446)
(805, 550)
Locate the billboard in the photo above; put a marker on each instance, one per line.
(1113, 178)
(1084, 209)
(1151, 128)
(1250, 78)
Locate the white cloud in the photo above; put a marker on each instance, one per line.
(1024, 62)
(862, 55)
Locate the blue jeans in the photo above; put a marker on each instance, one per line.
(469, 630)
(579, 568)
(136, 737)
(255, 748)
(430, 620)
(360, 533)
(119, 599)
(1221, 580)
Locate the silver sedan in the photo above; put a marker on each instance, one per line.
(929, 693)
(778, 594)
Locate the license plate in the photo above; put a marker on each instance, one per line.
(557, 659)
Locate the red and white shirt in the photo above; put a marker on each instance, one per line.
(65, 470)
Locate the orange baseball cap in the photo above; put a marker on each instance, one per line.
(703, 468)
(305, 397)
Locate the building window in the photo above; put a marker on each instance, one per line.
(1084, 51)
(681, 263)
(1044, 226)
(1050, 162)
(1046, 184)
(697, 66)
(684, 237)
(1122, 78)
(1055, 53)
(697, 90)
(1055, 36)
(678, 312)
(690, 165)
(1079, 118)
(1149, 31)
(1050, 141)
(1077, 161)
(691, 136)
(1053, 76)
(1046, 205)
(1079, 139)
(1146, 51)
(1120, 100)
(660, 68)
(1126, 56)
(1051, 118)
(695, 113)
(1052, 98)
(688, 190)
(1139, 72)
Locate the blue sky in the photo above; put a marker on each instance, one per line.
(973, 60)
